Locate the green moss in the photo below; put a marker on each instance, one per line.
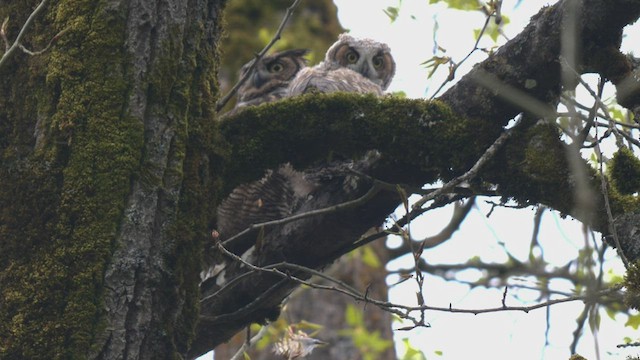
(75, 184)
(530, 170)
(624, 170)
(194, 159)
(632, 284)
(344, 125)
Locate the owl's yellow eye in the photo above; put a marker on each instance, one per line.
(276, 67)
(352, 57)
(378, 62)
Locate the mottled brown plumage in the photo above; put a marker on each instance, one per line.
(270, 78)
(273, 197)
(351, 65)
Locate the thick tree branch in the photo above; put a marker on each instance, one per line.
(415, 139)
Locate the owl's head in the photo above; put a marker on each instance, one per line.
(368, 57)
(271, 75)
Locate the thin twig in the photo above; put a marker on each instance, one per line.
(452, 69)
(612, 229)
(330, 209)
(222, 102)
(247, 344)
(488, 154)
(23, 31)
(526, 309)
(398, 309)
(51, 42)
(273, 269)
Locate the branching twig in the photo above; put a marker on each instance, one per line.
(488, 154)
(607, 205)
(402, 311)
(344, 288)
(224, 100)
(526, 309)
(455, 66)
(346, 205)
(16, 44)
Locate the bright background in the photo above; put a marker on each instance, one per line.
(503, 335)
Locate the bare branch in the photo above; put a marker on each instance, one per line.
(589, 298)
(403, 311)
(346, 205)
(51, 42)
(225, 99)
(488, 154)
(25, 27)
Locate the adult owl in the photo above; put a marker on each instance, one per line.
(270, 78)
(350, 64)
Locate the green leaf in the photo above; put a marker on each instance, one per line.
(492, 29)
(614, 278)
(353, 316)
(633, 321)
(392, 12)
(370, 258)
(476, 33)
(460, 4)
(412, 353)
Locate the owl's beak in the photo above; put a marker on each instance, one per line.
(369, 72)
(366, 69)
(257, 80)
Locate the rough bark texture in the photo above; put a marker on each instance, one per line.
(103, 142)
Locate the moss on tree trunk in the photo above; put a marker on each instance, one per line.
(98, 136)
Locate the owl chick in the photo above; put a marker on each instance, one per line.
(350, 64)
(270, 78)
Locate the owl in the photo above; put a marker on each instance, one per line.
(270, 78)
(350, 64)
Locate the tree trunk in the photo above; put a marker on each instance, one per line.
(106, 186)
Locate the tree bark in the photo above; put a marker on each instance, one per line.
(106, 187)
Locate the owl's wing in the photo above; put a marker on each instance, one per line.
(271, 198)
(344, 79)
(301, 84)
